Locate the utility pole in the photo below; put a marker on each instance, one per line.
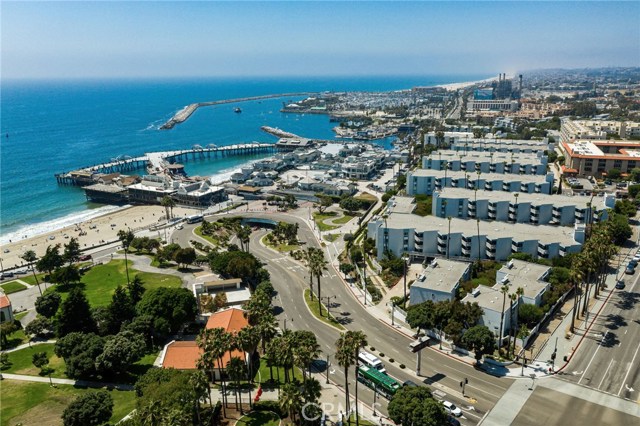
(328, 305)
(328, 368)
(418, 358)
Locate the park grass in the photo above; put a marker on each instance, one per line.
(15, 339)
(342, 220)
(101, 281)
(313, 307)
(20, 315)
(321, 217)
(331, 237)
(263, 375)
(259, 418)
(12, 287)
(30, 403)
(211, 239)
(29, 279)
(21, 361)
(282, 248)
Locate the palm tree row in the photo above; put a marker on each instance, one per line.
(348, 347)
(317, 264)
(589, 267)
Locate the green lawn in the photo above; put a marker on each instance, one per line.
(101, 281)
(331, 237)
(30, 280)
(263, 375)
(259, 418)
(313, 307)
(29, 403)
(282, 248)
(344, 219)
(320, 218)
(16, 338)
(20, 315)
(12, 287)
(21, 361)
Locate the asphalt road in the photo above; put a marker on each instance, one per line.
(441, 372)
(608, 359)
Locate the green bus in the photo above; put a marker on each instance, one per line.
(378, 381)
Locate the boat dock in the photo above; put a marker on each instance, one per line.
(182, 115)
(158, 162)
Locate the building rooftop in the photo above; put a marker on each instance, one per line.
(232, 320)
(536, 199)
(545, 234)
(496, 157)
(527, 275)
(113, 189)
(4, 301)
(444, 276)
(487, 298)
(506, 177)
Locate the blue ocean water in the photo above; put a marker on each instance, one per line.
(48, 127)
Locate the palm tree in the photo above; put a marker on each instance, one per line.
(207, 360)
(243, 233)
(126, 237)
(305, 351)
(448, 235)
(29, 256)
(512, 298)
(319, 265)
(308, 258)
(200, 384)
(344, 357)
(220, 344)
(291, 400)
(478, 225)
(168, 203)
(236, 372)
(287, 343)
(519, 294)
(311, 390)
(576, 275)
(152, 414)
(358, 341)
(247, 340)
(504, 290)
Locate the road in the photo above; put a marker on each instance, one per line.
(442, 373)
(608, 359)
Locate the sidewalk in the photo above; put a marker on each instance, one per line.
(82, 383)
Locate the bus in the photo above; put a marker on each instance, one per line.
(194, 218)
(371, 361)
(380, 382)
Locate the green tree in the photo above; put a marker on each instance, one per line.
(174, 305)
(79, 351)
(236, 372)
(72, 251)
(350, 204)
(136, 289)
(290, 400)
(120, 352)
(324, 202)
(74, 314)
(89, 409)
(414, 405)
(480, 340)
(318, 266)
(41, 360)
(40, 326)
(47, 305)
(120, 310)
(619, 227)
(346, 268)
(529, 314)
(243, 233)
(614, 174)
(421, 316)
(625, 207)
(29, 256)
(51, 260)
(185, 256)
(126, 237)
(6, 329)
(65, 275)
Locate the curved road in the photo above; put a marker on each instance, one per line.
(442, 373)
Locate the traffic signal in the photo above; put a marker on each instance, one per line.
(466, 381)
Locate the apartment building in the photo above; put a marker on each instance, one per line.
(531, 277)
(401, 232)
(502, 145)
(597, 157)
(536, 209)
(597, 129)
(425, 181)
(494, 311)
(487, 162)
(439, 281)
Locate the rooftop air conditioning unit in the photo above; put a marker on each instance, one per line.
(475, 292)
(504, 280)
(510, 264)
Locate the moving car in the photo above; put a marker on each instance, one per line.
(620, 284)
(630, 270)
(85, 257)
(452, 409)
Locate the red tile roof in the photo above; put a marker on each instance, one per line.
(4, 301)
(184, 355)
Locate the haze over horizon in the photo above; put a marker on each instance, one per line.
(216, 39)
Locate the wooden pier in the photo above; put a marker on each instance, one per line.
(157, 162)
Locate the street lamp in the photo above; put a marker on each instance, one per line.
(404, 264)
(375, 397)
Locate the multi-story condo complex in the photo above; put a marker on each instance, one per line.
(487, 162)
(501, 145)
(424, 181)
(597, 129)
(402, 232)
(439, 281)
(537, 209)
(596, 157)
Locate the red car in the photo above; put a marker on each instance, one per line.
(85, 257)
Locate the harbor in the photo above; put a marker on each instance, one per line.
(186, 112)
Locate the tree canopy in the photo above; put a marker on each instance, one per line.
(414, 405)
(74, 314)
(89, 409)
(480, 340)
(173, 305)
(47, 305)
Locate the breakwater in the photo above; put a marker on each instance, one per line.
(184, 114)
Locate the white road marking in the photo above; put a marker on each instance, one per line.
(628, 370)
(605, 373)
(593, 356)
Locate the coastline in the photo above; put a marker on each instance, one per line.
(90, 232)
(464, 85)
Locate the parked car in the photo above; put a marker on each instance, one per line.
(633, 263)
(620, 284)
(452, 409)
(453, 421)
(85, 257)
(630, 270)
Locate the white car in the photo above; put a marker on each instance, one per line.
(452, 409)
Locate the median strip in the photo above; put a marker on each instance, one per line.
(312, 305)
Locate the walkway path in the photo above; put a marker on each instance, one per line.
(28, 345)
(83, 383)
(143, 264)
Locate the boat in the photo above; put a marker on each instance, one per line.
(238, 110)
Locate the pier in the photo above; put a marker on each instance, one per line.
(182, 115)
(158, 162)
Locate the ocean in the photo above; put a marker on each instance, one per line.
(49, 127)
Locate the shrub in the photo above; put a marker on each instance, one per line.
(402, 366)
(381, 354)
(391, 360)
(372, 349)
(269, 406)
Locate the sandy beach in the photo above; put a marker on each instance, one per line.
(457, 86)
(90, 233)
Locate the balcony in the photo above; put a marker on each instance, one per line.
(442, 238)
(492, 168)
(543, 252)
(563, 251)
(418, 245)
(492, 215)
(418, 237)
(466, 251)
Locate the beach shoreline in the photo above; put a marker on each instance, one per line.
(464, 85)
(90, 233)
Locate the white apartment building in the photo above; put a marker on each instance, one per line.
(402, 232)
(495, 309)
(502, 145)
(597, 129)
(487, 162)
(536, 209)
(439, 281)
(424, 181)
(531, 277)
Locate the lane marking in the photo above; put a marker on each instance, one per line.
(628, 370)
(593, 356)
(605, 373)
